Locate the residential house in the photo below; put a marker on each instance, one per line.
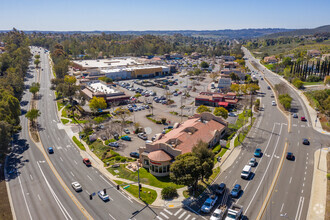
(270, 59)
(313, 53)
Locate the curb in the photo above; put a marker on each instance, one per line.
(8, 190)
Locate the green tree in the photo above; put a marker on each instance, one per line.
(285, 100)
(106, 79)
(203, 108)
(235, 88)
(234, 76)
(204, 65)
(98, 120)
(122, 114)
(35, 87)
(32, 115)
(197, 72)
(5, 136)
(185, 170)
(297, 83)
(37, 62)
(206, 158)
(97, 103)
(37, 56)
(169, 192)
(257, 103)
(220, 111)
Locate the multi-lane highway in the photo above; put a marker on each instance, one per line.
(290, 198)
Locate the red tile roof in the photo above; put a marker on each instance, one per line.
(159, 156)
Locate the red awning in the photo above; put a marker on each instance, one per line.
(225, 104)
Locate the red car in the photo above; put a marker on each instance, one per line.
(303, 119)
(87, 162)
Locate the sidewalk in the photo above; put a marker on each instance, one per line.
(317, 203)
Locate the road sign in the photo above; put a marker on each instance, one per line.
(126, 187)
(94, 194)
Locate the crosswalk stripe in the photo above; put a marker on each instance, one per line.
(193, 218)
(187, 217)
(159, 217)
(168, 212)
(182, 215)
(164, 215)
(177, 212)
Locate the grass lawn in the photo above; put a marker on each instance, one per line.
(241, 120)
(145, 195)
(78, 143)
(312, 83)
(75, 121)
(215, 173)
(65, 121)
(200, 189)
(145, 177)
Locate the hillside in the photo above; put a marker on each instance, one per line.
(299, 32)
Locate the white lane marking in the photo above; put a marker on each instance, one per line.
(279, 135)
(282, 207)
(225, 177)
(31, 177)
(87, 192)
(60, 205)
(75, 161)
(89, 178)
(306, 167)
(304, 178)
(305, 172)
(187, 217)
(111, 216)
(27, 207)
(234, 182)
(168, 212)
(290, 180)
(177, 212)
(71, 173)
(229, 171)
(61, 159)
(294, 125)
(65, 149)
(302, 191)
(183, 213)
(163, 214)
(39, 197)
(303, 126)
(306, 162)
(127, 197)
(303, 184)
(159, 217)
(106, 180)
(299, 209)
(236, 161)
(298, 131)
(298, 143)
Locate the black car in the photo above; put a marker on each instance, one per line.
(306, 141)
(289, 156)
(116, 136)
(221, 188)
(134, 154)
(268, 87)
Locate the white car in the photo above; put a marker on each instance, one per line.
(103, 196)
(76, 186)
(252, 162)
(273, 103)
(209, 203)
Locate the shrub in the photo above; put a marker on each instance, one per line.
(313, 79)
(123, 159)
(285, 100)
(169, 192)
(297, 83)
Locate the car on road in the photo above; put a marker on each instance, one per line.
(268, 87)
(113, 144)
(257, 152)
(289, 156)
(219, 213)
(103, 195)
(50, 150)
(87, 162)
(303, 118)
(295, 115)
(235, 191)
(272, 95)
(221, 188)
(127, 131)
(306, 141)
(209, 203)
(134, 154)
(253, 162)
(76, 186)
(126, 138)
(273, 103)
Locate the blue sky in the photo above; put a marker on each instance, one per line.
(88, 15)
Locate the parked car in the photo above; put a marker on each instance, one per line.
(303, 119)
(235, 191)
(257, 152)
(103, 137)
(127, 131)
(126, 138)
(103, 195)
(232, 114)
(306, 141)
(295, 115)
(76, 186)
(87, 162)
(142, 136)
(113, 144)
(209, 203)
(50, 150)
(116, 136)
(253, 162)
(289, 156)
(221, 188)
(134, 154)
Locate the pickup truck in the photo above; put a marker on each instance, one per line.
(234, 212)
(219, 213)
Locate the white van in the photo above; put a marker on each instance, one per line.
(246, 172)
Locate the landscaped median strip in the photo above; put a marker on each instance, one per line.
(78, 143)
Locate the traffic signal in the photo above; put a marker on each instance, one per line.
(140, 187)
(105, 191)
(90, 196)
(117, 187)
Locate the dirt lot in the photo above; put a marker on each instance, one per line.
(5, 211)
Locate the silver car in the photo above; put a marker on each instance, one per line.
(76, 186)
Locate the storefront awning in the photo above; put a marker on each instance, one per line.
(225, 104)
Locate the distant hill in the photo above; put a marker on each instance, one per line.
(300, 32)
(216, 34)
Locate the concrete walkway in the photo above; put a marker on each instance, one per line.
(317, 203)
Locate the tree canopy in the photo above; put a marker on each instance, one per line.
(97, 103)
(220, 111)
(203, 108)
